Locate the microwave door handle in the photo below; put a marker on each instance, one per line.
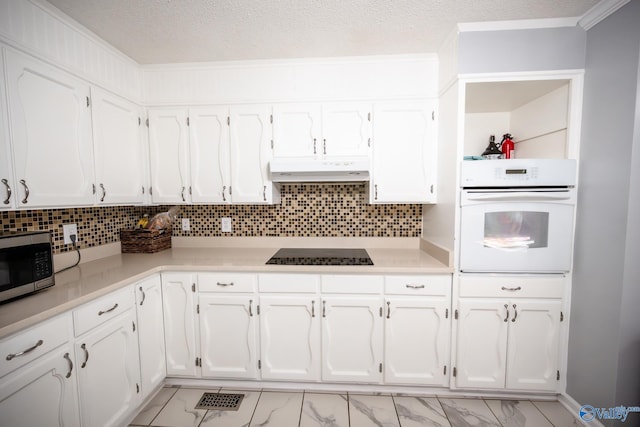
(519, 196)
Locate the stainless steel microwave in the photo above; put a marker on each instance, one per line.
(26, 263)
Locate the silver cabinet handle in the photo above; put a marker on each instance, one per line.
(182, 195)
(6, 185)
(314, 146)
(100, 313)
(506, 318)
(26, 191)
(224, 188)
(250, 310)
(504, 288)
(104, 192)
(224, 284)
(324, 146)
(324, 309)
(375, 192)
(22, 353)
(86, 355)
(143, 295)
(66, 356)
(515, 313)
(388, 309)
(264, 193)
(313, 309)
(415, 286)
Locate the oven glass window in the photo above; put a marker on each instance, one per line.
(516, 229)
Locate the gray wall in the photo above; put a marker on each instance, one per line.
(604, 353)
(521, 50)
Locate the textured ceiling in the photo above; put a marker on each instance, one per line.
(169, 31)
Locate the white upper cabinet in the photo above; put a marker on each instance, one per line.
(169, 156)
(321, 130)
(296, 130)
(209, 154)
(51, 134)
(250, 154)
(119, 147)
(7, 185)
(404, 152)
(346, 129)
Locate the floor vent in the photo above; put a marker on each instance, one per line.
(220, 401)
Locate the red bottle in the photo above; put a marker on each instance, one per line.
(507, 146)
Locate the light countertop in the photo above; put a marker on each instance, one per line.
(101, 276)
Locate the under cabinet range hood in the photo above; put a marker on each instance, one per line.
(314, 170)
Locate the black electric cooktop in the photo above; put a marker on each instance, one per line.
(320, 256)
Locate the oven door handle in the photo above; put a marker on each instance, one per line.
(526, 196)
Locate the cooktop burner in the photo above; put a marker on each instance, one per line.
(320, 256)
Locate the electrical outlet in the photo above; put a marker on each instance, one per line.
(185, 224)
(69, 230)
(226, 225)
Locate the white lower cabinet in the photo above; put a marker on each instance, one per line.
(109, 370)
(228, 336)
(290, 337)
(416, 341)
(37, 365)
(178, 302)
(153, 368)
(352, 338)
(228, 310)
(509, 342)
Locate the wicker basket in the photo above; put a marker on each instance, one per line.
(145, 241)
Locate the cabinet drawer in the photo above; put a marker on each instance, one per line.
(512, 286)
(103, 309)
(32, 343)
(227, 282)
(351, 284)
(289, 283)
(418, 285)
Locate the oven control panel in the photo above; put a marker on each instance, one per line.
(506, 173)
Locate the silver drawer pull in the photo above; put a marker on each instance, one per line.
(100, 313)
(86, 355)
(224, 284)
(29, 350)
(144, 296)
(66, 356)
(26, 191)
(504, 288)
(6, 185)
(415, 286)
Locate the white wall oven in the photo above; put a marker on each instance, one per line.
(517, 215)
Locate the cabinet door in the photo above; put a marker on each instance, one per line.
(42, 393)
(403, 140)
(251, 153)
(168, 156)
(290, 337)
(109, 372)
(346, 129)
(178, 292)
(153, 368)
(51, 134)
(228, 336)
(209, 154)
(533, 344)
(416, 341)
(7, 185)
(482, 343)
(352, 339)
(119, 149)
(297, 130)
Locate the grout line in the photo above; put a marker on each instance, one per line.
(301, 407)
(396, 409)
(491, 410)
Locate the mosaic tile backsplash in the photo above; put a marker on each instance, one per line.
(306, 210)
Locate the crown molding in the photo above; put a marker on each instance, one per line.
(599, 12)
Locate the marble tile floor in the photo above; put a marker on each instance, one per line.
(174, 406)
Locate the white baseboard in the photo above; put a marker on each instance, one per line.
(574, 407)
